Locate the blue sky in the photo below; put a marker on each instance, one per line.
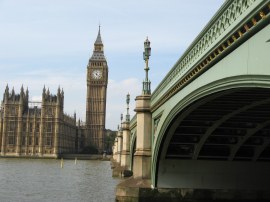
(49, 42)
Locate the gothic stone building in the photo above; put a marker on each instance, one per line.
(36, 131)
(46, 131)
(97, 80)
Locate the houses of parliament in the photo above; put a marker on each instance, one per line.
(42, 129)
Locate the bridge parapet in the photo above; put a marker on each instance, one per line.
(232, 21)
(133, 123)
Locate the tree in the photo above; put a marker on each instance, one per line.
(109, 140)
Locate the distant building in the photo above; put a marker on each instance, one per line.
(42, 129)
(35, 129)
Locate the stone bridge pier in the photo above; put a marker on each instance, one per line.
(130, 189)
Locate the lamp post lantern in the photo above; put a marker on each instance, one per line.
(146, 55)
(121, 118)
(127, 101)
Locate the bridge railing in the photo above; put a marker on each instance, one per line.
(226, 22)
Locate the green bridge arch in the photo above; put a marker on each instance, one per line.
(194, 100)
(247, 66)
(228, 57)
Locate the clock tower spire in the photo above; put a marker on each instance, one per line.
(97, 80)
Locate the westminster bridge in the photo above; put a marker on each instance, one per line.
(204, 133)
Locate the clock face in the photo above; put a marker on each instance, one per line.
(96, 74)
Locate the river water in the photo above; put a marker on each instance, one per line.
(39, 180)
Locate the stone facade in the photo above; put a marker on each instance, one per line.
(97, 80)
(42, 129)
(35, 129)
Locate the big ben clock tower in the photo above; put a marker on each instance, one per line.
(97, 80)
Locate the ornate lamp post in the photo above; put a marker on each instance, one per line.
(120, 140)
(121, 118)
(127, 101)
(146, 55)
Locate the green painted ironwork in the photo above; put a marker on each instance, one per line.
(229, 18)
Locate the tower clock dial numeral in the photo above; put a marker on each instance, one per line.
(96, 74)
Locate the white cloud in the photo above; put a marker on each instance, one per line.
(116, 101)
(49, 42)
(36, 98)
(129, 85)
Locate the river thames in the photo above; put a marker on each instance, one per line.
(27, 180)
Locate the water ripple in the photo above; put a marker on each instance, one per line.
(27, 180)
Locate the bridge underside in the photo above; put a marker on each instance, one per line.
(219, 142)
(234, 126)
